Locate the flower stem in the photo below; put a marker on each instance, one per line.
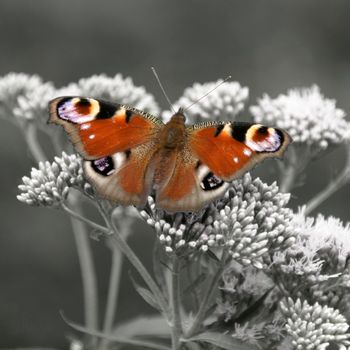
(136, 262)
(211, 290)
(115, 236)
(176, 305)
(289, 172)
(331, 188)
(85, 220)
(87, 269)
(113, 292)
(31, 137)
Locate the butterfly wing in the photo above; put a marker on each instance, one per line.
(231, 149)
(190, 186)
(214, 154)
(116, 142)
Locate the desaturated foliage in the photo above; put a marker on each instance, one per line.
(246, 272)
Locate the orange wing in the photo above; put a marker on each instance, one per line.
(98, 128)
(117, 143)
(230, 149)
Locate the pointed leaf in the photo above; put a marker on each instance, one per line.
(147, 296)
(212, 255)
(223, 341)
(152, 325)
(200, 279)
(120, 340)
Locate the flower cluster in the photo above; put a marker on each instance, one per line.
(224, 103)
(16, 90)
(315, 326)
(49, 185)
(318, 261)
(255, 221)
(249, 220)
(306, 115)
(116, 89)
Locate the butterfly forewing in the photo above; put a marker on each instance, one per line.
(98, 129)
(230, 149)
(117, 143)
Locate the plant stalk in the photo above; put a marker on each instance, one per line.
(176, 303)
(205, 303)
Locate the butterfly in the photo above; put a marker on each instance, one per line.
(129, 154)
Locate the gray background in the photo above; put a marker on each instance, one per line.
(269, 46)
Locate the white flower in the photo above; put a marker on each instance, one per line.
(21, 93)
(249, 220)
(49, 185)
(316, 265)
(116, 89)
(33, 105)
(224, 103)
(254, 221)
(306, 115)
(314, 326)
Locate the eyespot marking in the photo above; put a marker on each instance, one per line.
(211, 182)
(103, 166)
(77, 110)
(265, 139)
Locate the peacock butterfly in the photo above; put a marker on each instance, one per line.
(129, 154)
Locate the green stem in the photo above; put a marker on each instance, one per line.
(176, 305)
(205, 303)
(87, 269)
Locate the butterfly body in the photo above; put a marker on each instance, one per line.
(129, 154)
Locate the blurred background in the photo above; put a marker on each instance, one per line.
(269, 46)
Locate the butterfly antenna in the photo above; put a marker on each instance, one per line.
(209, 92)
(162, 88)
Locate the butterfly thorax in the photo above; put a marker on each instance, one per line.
(174, 132)
(171, 141)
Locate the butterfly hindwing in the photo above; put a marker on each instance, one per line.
(230, 149)
(123, 177)
(189, 185)
(98, 129)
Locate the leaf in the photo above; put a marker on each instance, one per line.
(120, 340)
(212, 255)
(144, 326)
(223, 341)
(147, 296)
(254, 309)
(192, 286)
(158, 251)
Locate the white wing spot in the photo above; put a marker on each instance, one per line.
(247, 152)
(235, 159)
(85, 126)
(91, 137)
